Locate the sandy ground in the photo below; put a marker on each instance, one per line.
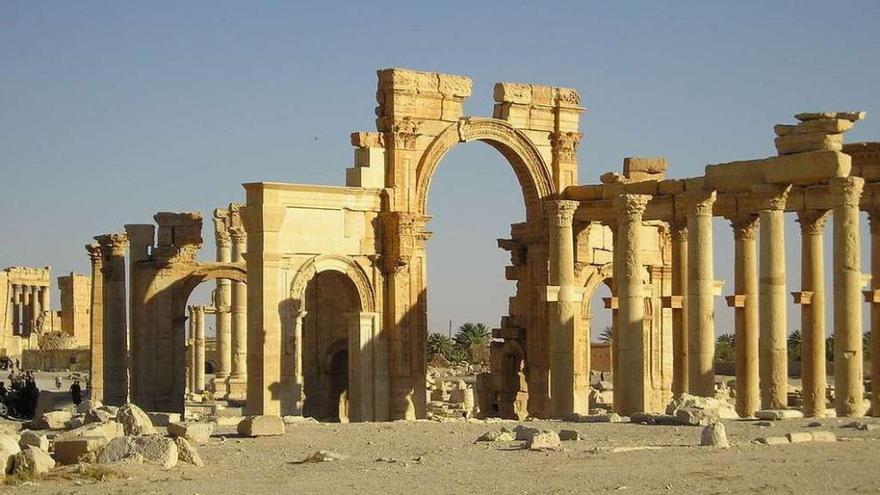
(442, 458)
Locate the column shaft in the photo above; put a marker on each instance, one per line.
(679, 314)
(222, 303)
(848, 359)
(635, 391)
(701, 288)
(96, 323)
(239, 338)
(812, 312)
(875, 313)
(113, 247)
(748, 395)
(774, 324)
(199, 341)
(16, 309)
(568, 379)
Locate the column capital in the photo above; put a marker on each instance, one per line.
(238, 235)
(812, 221)
(771, 197)
(632, 205)
(847, 191)
(745, 227)
(94, 252)
(678, 230)
(560, 212)
(565, 144)
(700, 201)
(223, 238)
(113, 244)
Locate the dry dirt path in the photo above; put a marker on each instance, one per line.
(442, 458)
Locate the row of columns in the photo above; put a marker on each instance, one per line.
(28, 303)
(196, 349)
(760, 306)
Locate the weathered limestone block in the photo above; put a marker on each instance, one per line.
(88, 405)
(163, 418)
(778, 414)
(643, 168)
(96, 416)
(823, 436)
(851, 116)
(187, 453)
(134, 421)
(261, 426)
(828, 126)
(714, 435)
(811, 141)
(108, 430)
(52, 420)
(8, 448)
(71, 451)
(34, 439)
(814, 167)
(545, 440)
(507, 92)
(32, 462)
(198, 433)
(799, 436)
(773, 440)
(154, 449)
(502, 435)
(525, 432)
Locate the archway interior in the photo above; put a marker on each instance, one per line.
(473, 199)
(332, 305)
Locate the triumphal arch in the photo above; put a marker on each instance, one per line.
(321, 290)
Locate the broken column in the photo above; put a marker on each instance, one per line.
(773, 355)
(812, 301)
(701, 289)
(745, 304)
(846, 193)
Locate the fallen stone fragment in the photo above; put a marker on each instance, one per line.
(714, 435)
(163, 418)
(8, 448)
(569, 435)
(73, 450)
(261, 426)
(292, 420)
(799, 436)
(862, 426)
(653, 419)
(88, 405)
(187, 453)
(134, 421)
(602, 418)
(52, 420)
(321, 456)
(34, 439)
(502, 435)
(545, 440)
(32, 462)
(773, 440)
(523, 432)
(779, 414)
(96, 416)
(108, 430)
(155, 449)
(813, 424)
(823, 436)
(197, 433)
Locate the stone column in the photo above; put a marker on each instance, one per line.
(812, 301)
(27, 310)
(141, 238)
(773, 355)
(568, 379)
(873, 297)
(96, 323)
(846, 193)
(222, 302)
(199, 344)
(113, 247)
(679, 234)
(36, 307)
(17, 298)
(191, 355)
(634, 391)
(700, 298)
(239, 350)
(745, 302)
(45, 301)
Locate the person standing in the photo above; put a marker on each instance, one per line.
(76, 392)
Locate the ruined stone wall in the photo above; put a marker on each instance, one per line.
(75, 306)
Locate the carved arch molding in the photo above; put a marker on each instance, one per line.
(532, 172)
(341, 264)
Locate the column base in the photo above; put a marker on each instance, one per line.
(236, 389)
(220, 387)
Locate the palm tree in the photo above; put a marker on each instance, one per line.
(607, 335)
(724, 348)
(471, 337)
(794, 345)
(439, 345)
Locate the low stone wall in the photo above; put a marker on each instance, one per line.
(56, 359)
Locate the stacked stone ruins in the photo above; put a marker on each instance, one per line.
(32, 331)
(320, 299)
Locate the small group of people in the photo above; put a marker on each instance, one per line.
(21, 398)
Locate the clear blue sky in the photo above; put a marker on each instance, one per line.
(111, 111)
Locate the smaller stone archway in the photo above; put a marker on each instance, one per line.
(314, 335)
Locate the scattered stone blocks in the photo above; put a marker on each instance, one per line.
(261, 426)
(71, 451)
(32, 462)
(198, 433)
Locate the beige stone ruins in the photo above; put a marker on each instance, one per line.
(320, 299)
